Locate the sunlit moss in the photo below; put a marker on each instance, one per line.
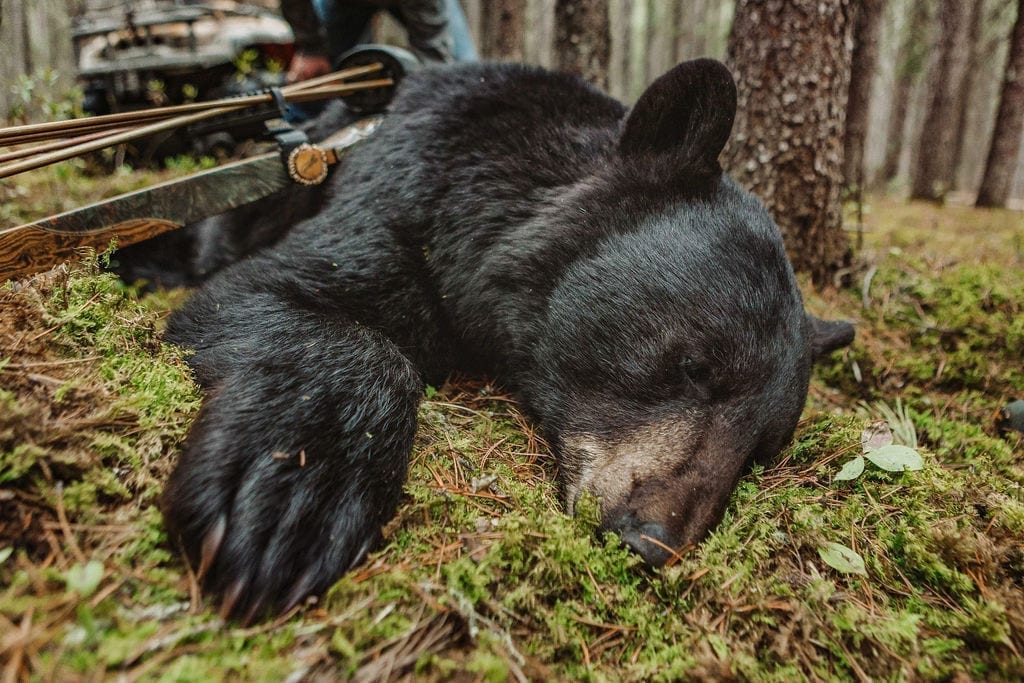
(481, 555)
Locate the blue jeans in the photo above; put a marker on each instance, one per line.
(347, 25)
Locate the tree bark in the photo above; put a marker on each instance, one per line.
(933, 174)
(1006, 138)
(619, 12)
(792, 63)
(661, 32)
(693, 29)
(682, 30)
(965, 92)
(638, 40)
(910, 62)
(501, 34)
(862, 77)
(540, 36)
(582, 39)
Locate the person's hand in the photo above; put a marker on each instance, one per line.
(305, 66)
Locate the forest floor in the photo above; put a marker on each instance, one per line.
(881, 575)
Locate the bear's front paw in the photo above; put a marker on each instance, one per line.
(267, 531)
(272, 506)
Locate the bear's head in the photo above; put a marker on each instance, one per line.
(675, 349)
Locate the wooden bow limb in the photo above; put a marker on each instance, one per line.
(145, 213)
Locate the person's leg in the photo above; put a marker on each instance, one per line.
(345, 24)
(458, 27)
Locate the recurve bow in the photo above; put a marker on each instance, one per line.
(145, 213)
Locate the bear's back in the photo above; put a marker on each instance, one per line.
(464, 172)
(550, 127)
(463, 147)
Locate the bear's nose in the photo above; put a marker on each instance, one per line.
(647, 539)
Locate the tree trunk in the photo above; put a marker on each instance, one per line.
(693, 27)
(682, 30)
(862, 77)
(34, 35)
(582, 39)
(910, 62)
(501, 34)
(1006, 138)
(661, 32)
(540, 18)
(966, 90)
(792, 64)
(934, 171)
(620, 13)
(638, 39)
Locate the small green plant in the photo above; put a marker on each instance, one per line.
(43, 95)
(189, 163)
(84, 579)
(156, 92)
(274, 66)
(245, 63)
(881, 451)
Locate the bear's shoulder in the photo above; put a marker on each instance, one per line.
(533, 96)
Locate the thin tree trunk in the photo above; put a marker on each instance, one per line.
(619, 12)
(473, 10)
(690, 20)
(862, 77)
(582, 39)
(966, 90)
(787, 141)
(934, 171)
(910, 62)
(661, 28)
(501, 35)
(682, 30)
(699, 29)
(1006, 138)
(638, 38)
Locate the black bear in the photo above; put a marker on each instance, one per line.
(515, 222)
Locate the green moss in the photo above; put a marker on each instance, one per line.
(481, 572)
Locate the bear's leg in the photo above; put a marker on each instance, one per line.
(299, 454)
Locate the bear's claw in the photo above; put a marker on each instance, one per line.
(211, 544)
(302, 588)
(270, 498)
(231, 596)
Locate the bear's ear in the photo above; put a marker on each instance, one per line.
(828, 335)
(687, 112)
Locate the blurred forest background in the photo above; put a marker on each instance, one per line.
(923, 98)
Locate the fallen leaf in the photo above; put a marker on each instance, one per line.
(876, 435)
(843, 559)
(851, 470)
(894, 458)
(84, 579)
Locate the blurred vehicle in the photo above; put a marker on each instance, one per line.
(141, 54)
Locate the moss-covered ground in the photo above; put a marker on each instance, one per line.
(481, 576)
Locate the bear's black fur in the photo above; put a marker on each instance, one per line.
(519, 223)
